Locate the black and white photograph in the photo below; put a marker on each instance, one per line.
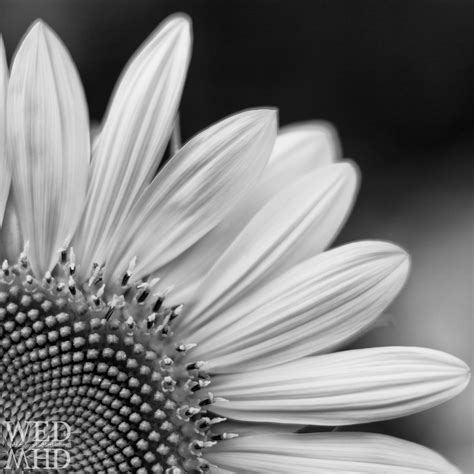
(236, 237)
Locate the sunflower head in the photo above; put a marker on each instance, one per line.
(182, 321)
(115, 376)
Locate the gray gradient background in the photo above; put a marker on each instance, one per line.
(397, 80)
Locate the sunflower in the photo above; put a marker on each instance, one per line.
(183, 320)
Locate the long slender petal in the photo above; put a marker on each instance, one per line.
(48, 142)
(134, 135)
(299, 149)
(5, 171)
(298, 223)
(321, 453)
(194, 191)
(312, 308)
(357, 386)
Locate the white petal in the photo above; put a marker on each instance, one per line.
(297, 223)
(321, 453)
(194, 191)
(134, 135)
(317, 140)
(357, 386)
(5, 172)
(48, 141)
(312, 308)
(299, 149)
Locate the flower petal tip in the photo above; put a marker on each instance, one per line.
(400, 264)
(270, 117)
(38, 32)
(180, 20)
(347, 170)
(179, 26)
(403, 260)
(401, 256)
(261, 113)
(396, 254)
(320, 127)
(460, 372)
(457, 372)
(355, 170)
(464, 371)
(38, 28)
(331, 131)
(393, 260)
(267, 117)
(255, 122)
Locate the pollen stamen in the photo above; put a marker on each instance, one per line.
(77, 354)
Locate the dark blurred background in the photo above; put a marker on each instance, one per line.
(397, 80)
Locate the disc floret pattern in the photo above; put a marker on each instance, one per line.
(106, 365)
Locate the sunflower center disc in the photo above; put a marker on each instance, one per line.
(126, 393)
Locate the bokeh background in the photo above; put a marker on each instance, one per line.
(397, 80)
